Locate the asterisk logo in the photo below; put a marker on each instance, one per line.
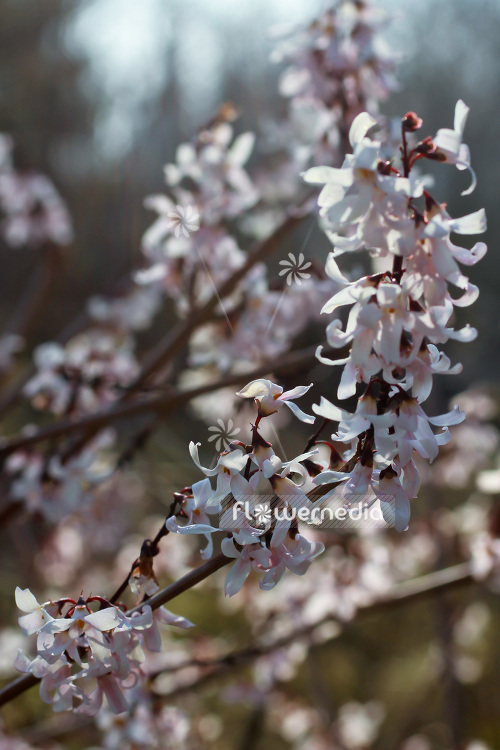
(223, 433)
(294, 269)
(262, 514)
(183, 221)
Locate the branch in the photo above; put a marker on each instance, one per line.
(179, 336)
(401, 593)
(26, 314)
(161, 405)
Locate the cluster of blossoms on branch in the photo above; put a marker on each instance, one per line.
(194, 246)
(32, 212)
(373, 199)
(84, 654)
(254, 474)
(398, 317)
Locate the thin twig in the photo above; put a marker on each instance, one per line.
(161, 404)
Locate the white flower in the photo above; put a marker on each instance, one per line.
(270, 397)
(251, 556)
(196, 508)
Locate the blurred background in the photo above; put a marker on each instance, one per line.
(98, 94)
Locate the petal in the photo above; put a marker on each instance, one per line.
(323, 175)
(455, 416)
(258, 388)
(461, 113)
(359, 128)
(329, 411)
(113, 693)
(299, 390)
(307, 418)
(25, 600)
(474, 223)
(105, 619)
(193, 450)
(236, 577)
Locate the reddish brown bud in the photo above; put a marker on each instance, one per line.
(425, 147)
(384, 167)
(411, 122)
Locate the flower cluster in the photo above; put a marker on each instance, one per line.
(88, 373)
(339, 66)
(254, 474)
(397, 317)
(85, 654)
(336, 68)
(34, 213)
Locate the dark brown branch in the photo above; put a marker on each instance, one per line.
(401, 593)
(161, 405)
(179, 336)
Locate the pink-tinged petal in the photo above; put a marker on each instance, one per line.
(194, 528)
(152, 638)
(468, 298)
(280, 532)
(327, 360)
(208, 551)
(461, 113)
(234, 461)
(455, 416)
(142, 620)
(394, 503)
(290, 493)
(236, 577)
(334, 272)
(29, 624)
(166, 617)
(336, 336)
(411, 479)
(474, 223)
(241, 488)
(327, 476)
(22, 663)
(228, 549)
(347, 385)
(116, 699)
(53, 625)
(324, 175)
(448, 140)
(472, 256)
(25, 600)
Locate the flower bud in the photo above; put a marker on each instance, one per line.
(411, 122)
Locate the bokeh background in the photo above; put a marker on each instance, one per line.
(98, 94)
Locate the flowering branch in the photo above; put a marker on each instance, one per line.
(160, 404)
